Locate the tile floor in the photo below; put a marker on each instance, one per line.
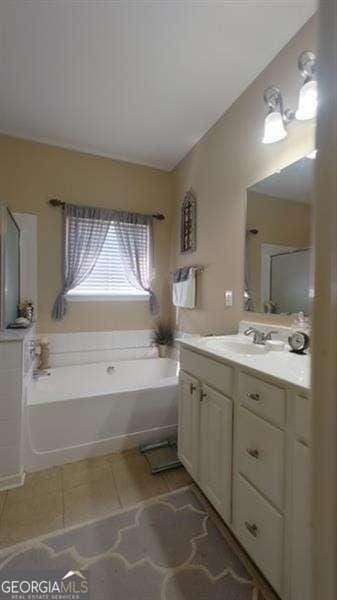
(80, 491)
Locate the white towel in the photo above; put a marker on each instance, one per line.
(184, 288)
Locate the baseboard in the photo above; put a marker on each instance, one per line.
(35, 461)
(12, 481)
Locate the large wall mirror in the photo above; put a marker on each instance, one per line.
(278, 241)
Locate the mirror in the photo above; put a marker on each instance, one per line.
(278, 241)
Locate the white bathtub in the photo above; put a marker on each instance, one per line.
(87, 410)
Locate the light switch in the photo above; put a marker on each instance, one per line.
(229, 298)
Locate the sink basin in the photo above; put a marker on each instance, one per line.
(238, 346)
(245, 347)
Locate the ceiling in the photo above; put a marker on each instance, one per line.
(294, 182)
(139, 80)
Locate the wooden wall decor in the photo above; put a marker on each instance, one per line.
(188, 223)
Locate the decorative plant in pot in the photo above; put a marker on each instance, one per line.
(163, 337)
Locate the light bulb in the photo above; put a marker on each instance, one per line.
(274, 130)
(308, 100)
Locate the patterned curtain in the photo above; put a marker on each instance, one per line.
(135, 240)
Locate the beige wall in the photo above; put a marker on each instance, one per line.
(279, 221)
(31, 173)
(228, 160)
(220, 168)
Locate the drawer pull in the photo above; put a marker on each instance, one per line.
(252, 528)
(192, 388)
(251, 396)
(254, 453)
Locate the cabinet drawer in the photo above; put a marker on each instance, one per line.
(260, 530)
(263, 398)
(214, 373)
(302, 417)
(261, 455)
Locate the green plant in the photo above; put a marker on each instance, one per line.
(163, 334)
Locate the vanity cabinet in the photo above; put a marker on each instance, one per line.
(260, 529)
(189, 423)
(205, 437)
(300, 581)
(216, 424)
(243, 437)
(261, 455)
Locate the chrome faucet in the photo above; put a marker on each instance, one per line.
(259, 337)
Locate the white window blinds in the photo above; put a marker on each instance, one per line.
(108, 277)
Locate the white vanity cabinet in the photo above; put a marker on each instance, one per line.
(216, 425)
(243, 437)
(205, 430)
(189, 423)
(260, 474)
(300, 530)
(300, 581)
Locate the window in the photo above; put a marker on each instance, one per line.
(108, 276)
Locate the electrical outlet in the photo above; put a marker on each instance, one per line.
(229, 298)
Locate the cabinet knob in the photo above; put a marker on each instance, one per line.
(253, 396)
(254, 453)
(252, 528)
(192, 388)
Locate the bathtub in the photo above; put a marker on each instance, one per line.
(85, 410)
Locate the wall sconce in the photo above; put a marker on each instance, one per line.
(277, 117)
(308, 100)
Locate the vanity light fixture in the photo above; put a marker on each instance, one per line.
(308, 100)
(277, 117)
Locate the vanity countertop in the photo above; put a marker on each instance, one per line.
(285, 366)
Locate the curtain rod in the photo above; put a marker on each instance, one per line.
(55, 202)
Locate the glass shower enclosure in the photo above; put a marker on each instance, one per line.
(9, 267)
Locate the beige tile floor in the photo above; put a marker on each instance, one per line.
(77, 492)
(80, 491)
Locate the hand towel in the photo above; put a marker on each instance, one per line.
(184, 288)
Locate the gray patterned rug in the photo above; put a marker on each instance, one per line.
(166, 548)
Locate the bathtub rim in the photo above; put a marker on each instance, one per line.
(155, 383)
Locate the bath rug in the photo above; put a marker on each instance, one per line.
(166, 548)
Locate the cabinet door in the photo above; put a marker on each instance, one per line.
(188, 423)
(216, 449)
(301, 539)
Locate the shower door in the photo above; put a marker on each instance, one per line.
(10, 268)
(290, 281)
